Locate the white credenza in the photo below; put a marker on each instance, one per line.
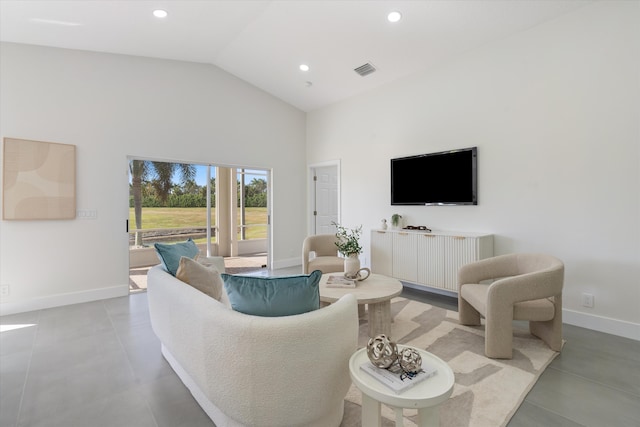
(427, 259)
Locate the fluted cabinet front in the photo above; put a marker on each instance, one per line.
(381, 252)
(405, 259)
(459, 250)
(431, 268)
(428, 259)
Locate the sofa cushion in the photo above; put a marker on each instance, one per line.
(273, 296)
(204, 278)
(170, 254)
(476, 295)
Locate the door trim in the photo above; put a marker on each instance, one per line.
(311, 191)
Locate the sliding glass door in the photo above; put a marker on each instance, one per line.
(224, 210)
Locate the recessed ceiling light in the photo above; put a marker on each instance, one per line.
(159, 13)
(394, 16)
(304, 67)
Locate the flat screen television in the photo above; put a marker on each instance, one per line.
(444, 178)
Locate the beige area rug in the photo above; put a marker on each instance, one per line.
(487, 392)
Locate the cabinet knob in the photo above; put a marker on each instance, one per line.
(429, 235)
(459, 237)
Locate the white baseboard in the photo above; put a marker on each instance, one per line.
(63, 299)
(286, 263)
(597, 323)
(602, 324)
(584, 320)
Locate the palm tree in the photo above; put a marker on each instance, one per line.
(191, 187)
(143, 170)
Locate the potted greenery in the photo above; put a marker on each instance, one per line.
(348, 244)
(395, 220)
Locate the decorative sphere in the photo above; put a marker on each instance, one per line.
(410, 360)
(381, 351)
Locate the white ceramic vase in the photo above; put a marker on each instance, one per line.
(351, 265)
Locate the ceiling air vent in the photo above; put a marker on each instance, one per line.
(365, 69)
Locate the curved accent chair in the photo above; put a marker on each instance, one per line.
(523, 287)
(326, 254)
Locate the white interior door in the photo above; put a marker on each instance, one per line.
(326, 196)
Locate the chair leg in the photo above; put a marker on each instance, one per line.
(547, 332)
(498, 340)
(550, 331)
(467, 315)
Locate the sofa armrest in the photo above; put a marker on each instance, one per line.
(527, 287)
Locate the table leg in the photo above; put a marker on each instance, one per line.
(429, 417)
(360, 310)
(399, 419)
(380, 319)
(370, 412)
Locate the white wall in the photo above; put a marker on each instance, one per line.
(555, 114)
(111, 107)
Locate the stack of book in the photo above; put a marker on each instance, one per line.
(340, 282)
(395, 378)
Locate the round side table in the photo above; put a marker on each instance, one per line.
(424, 396)
(377, 292)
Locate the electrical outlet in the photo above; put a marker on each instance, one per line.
(86, 214)
(4, 291)
(587, 300)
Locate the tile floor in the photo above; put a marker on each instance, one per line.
(99, 364)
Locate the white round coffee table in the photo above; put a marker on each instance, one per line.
(424, 396)
(376, 291)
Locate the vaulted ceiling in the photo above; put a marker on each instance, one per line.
(265, 42)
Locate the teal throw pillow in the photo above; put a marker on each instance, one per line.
(170, 254)
(273, 296)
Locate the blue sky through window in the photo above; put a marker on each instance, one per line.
(201, 175)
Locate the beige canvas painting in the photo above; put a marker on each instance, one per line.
(39, 180)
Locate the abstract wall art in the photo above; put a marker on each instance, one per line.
(39, 180)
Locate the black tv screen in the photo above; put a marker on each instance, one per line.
(444, 178)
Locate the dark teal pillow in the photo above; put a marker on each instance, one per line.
(273, 296)
(170, 254)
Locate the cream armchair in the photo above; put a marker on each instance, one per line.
(524, 287)
(326, 254)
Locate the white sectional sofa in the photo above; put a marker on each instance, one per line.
(247, 370)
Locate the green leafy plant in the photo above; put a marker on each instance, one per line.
(395, 219)
(348, 239)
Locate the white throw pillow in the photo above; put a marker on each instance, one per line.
(204, 278)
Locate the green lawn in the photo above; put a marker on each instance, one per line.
(196, 217)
